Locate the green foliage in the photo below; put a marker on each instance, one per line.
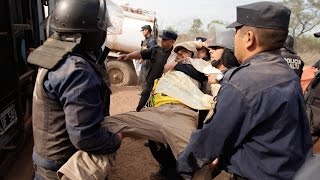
(215, 21)
(196, 25)
(304, 16)
(172, 28)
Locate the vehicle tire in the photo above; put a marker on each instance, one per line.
(121, 74)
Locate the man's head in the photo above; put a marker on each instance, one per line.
(89, 18)
(203, 53)
(289, 43)
(168, 38)
(317, 34)
(185, 50)
(146, 30)
(260, 26)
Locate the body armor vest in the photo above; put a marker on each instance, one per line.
(51, 139)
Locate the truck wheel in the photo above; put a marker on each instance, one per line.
(121, 74)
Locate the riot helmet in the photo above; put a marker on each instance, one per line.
(90, 18)
(224, 39)
(78, 16)
(289, 43)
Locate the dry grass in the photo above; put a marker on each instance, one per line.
(310, 57)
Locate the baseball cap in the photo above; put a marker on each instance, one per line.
(187, 46)
(166, 34)
(146, 27)
(264, 14)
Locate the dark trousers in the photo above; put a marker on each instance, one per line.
(145, 68)
(145, 94)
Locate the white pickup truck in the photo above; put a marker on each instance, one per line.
(123, 73)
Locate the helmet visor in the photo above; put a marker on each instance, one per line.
(113, 18)
(110, 19)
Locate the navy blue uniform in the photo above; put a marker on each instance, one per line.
(148, 43)
(293, 60)
(260, 128)
(158, 58)
(72, 122)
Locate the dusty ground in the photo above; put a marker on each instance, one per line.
(134, 160)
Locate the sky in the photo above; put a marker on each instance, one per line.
(180, 13)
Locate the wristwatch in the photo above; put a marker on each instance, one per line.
(219, 77)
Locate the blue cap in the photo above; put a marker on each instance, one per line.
(269, 15)
(146, 27)
(169, 35)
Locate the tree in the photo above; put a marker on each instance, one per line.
(304, 16)
(172, 28)
(196, 25)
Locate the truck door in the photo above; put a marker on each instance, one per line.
(20, 32)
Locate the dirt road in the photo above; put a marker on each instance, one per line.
(134, 160)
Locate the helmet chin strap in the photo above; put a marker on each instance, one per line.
(215, 63)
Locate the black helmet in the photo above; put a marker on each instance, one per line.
(90, 18)
(289, 44)
(78, 16)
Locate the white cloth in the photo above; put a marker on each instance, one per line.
(178, 85)
(83, 165)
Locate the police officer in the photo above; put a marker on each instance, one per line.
(147, 43)
(260, 128)
(317, 64)
(290, 55)
(158, 57)
(71, 96)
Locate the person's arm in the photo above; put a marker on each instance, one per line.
(130, 56)
(189, 70)
(169, 66)
(76, 85)
(220, 135)
(147, 53)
